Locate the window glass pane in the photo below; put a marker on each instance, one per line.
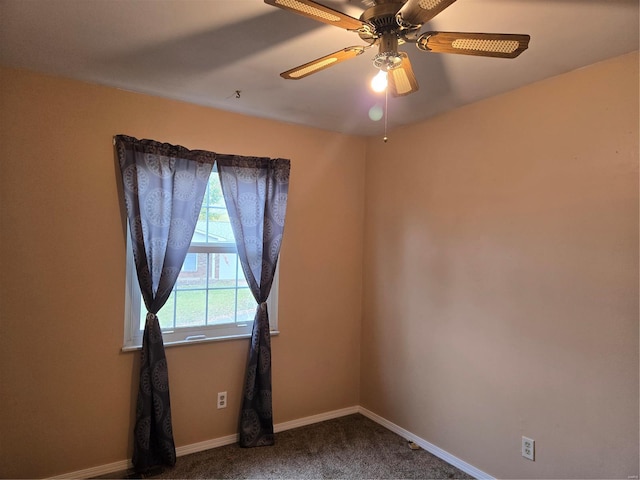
(213, 222)
(242, 282)
(221, 306)
(165, 315)
(239, 274)
(196, 279)
(223, 269)
(190, 307)
(246, 306)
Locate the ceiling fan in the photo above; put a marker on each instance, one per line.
(389, 23)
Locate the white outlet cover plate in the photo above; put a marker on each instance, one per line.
(528, 448)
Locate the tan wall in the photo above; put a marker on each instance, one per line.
(501, 277)
(66, 390)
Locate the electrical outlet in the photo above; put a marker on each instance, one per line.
(222, 399)
(528, 448)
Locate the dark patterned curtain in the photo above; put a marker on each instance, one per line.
(255, 192)
(163, 190)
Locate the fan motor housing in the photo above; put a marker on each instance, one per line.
(383, 19)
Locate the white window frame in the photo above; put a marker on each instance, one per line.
(187, 335)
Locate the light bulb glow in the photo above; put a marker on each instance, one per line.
(379, 82)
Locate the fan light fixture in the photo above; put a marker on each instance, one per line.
(379, 82)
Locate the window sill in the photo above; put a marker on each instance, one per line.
(133, 348)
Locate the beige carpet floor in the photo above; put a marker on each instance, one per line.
(351, 447)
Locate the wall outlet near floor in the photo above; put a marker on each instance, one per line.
(528, 448)
(222, 400)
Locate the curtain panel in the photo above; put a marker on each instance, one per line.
(255, 191)
(163, 187)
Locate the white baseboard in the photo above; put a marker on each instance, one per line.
(429, 447)
(281, 427)
(97, 471)
(321, 417)
(206, 445)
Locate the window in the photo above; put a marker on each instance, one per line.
(211, 299)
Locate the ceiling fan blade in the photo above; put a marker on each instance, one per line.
(318, 12)
(501, 45)
(419, 12)
(401, 79)
(321, 63)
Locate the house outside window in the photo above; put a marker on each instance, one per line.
(190, 263)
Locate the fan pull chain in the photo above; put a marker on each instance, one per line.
(386, 110)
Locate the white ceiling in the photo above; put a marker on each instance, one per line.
(202, 51)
